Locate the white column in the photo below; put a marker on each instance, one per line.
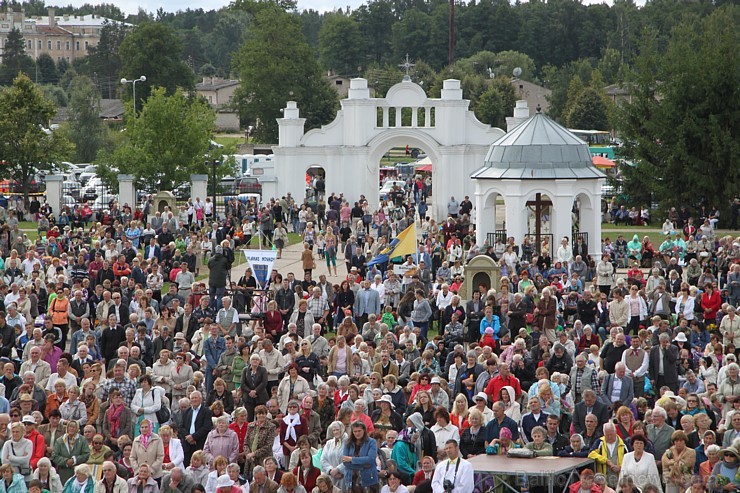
(126, 191)
(562, 219)
(592, 224)
(385, 117)
(398, 117)
(414, 117)
(428, 116)
(54, 192)
(485, 216)
(198, 187)
(516, 219)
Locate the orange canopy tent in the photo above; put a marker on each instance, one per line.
(602, 162)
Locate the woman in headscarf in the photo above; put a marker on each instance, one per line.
(70, 446)
(291, 427)
(404, 455)
(148, 449)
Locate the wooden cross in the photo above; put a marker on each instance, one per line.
(538, 204)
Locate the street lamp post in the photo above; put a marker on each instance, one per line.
(214, 186)
(133, 85)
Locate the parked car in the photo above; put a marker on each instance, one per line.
(248, 184)
(68, 201)
(88, 172)
(71, 186)
(93, 188)
(182, 192)
(104, 201)
(388, 186)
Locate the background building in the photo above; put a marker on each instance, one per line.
(62, 37)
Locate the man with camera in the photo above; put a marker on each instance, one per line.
(455, 474)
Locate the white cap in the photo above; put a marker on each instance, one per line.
(481, 395)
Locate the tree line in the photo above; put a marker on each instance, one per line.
(678, 60)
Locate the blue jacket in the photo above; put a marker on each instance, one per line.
(363, 462)
(528, 422)
(495, 324)
(157, 252)
(213, 350)
(493, 428)
(17, 486)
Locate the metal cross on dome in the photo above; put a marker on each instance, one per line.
(407, 65)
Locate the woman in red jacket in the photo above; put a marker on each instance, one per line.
(710, 303)
(39, 446)
(306, 472)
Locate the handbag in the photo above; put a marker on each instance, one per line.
(520, 453)
(163, 415)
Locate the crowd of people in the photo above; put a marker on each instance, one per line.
(124, 371)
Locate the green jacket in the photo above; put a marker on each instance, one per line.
(80, 452)
(405, 458)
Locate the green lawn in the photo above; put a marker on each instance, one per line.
(653, 232)
(229, 140)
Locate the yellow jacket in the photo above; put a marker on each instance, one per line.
(600, 454)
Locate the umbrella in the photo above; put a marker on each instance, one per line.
(602, 162)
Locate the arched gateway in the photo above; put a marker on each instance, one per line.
(350, 148)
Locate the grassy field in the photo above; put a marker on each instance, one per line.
(610, 231)
(226, 140)
(395, 155)
(653, 232)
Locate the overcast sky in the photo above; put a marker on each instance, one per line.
(132, 6)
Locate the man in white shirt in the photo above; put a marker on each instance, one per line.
(454, 469)
(444, 297)
(29, 262)
(61, 374)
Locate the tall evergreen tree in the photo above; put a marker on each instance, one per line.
(276, 65)
(681, 124)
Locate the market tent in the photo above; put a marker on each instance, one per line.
(424, 164)
(602, 162)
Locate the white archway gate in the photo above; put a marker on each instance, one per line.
(350, 148)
